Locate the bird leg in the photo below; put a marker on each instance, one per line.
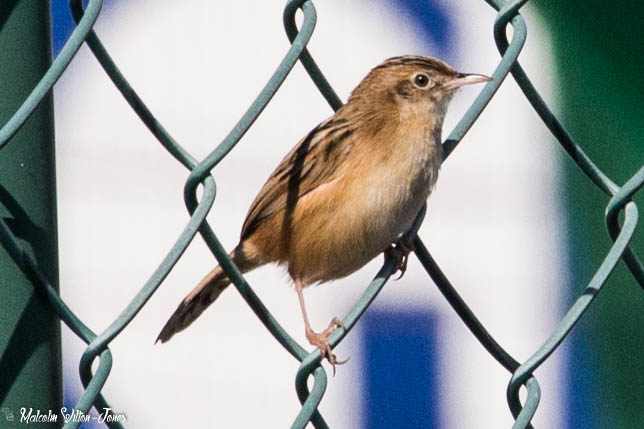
(319, 339)
(400, 253)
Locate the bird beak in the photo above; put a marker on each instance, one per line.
(462, 79)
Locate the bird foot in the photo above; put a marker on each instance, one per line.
(321, 340)
(400, 254)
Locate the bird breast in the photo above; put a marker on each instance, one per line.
(399, 184)
(368, 207)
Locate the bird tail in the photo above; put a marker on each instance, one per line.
(206, 292)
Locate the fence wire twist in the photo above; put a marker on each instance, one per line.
(200, 174)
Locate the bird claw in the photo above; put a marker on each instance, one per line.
(321, 340)
(400, 254)
(336, 322)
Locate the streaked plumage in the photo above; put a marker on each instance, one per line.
(348, 189)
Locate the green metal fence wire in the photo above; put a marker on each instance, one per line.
(200, 175)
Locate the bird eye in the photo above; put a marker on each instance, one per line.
(421, 80)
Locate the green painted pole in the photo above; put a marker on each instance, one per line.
(597, 48)
(30, 350)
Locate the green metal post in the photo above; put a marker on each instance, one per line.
(30, 350)
(598, 49)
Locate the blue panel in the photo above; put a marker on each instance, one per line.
(434, 23)
(582, 381)
(62, 23)
(399, 372)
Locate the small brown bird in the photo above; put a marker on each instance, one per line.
(348, 190)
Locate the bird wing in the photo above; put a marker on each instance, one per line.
(314, 161)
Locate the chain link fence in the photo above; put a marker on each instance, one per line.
(619, 203)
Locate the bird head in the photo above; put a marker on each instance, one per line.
(411, 84)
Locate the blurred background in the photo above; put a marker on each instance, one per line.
(513, 223)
